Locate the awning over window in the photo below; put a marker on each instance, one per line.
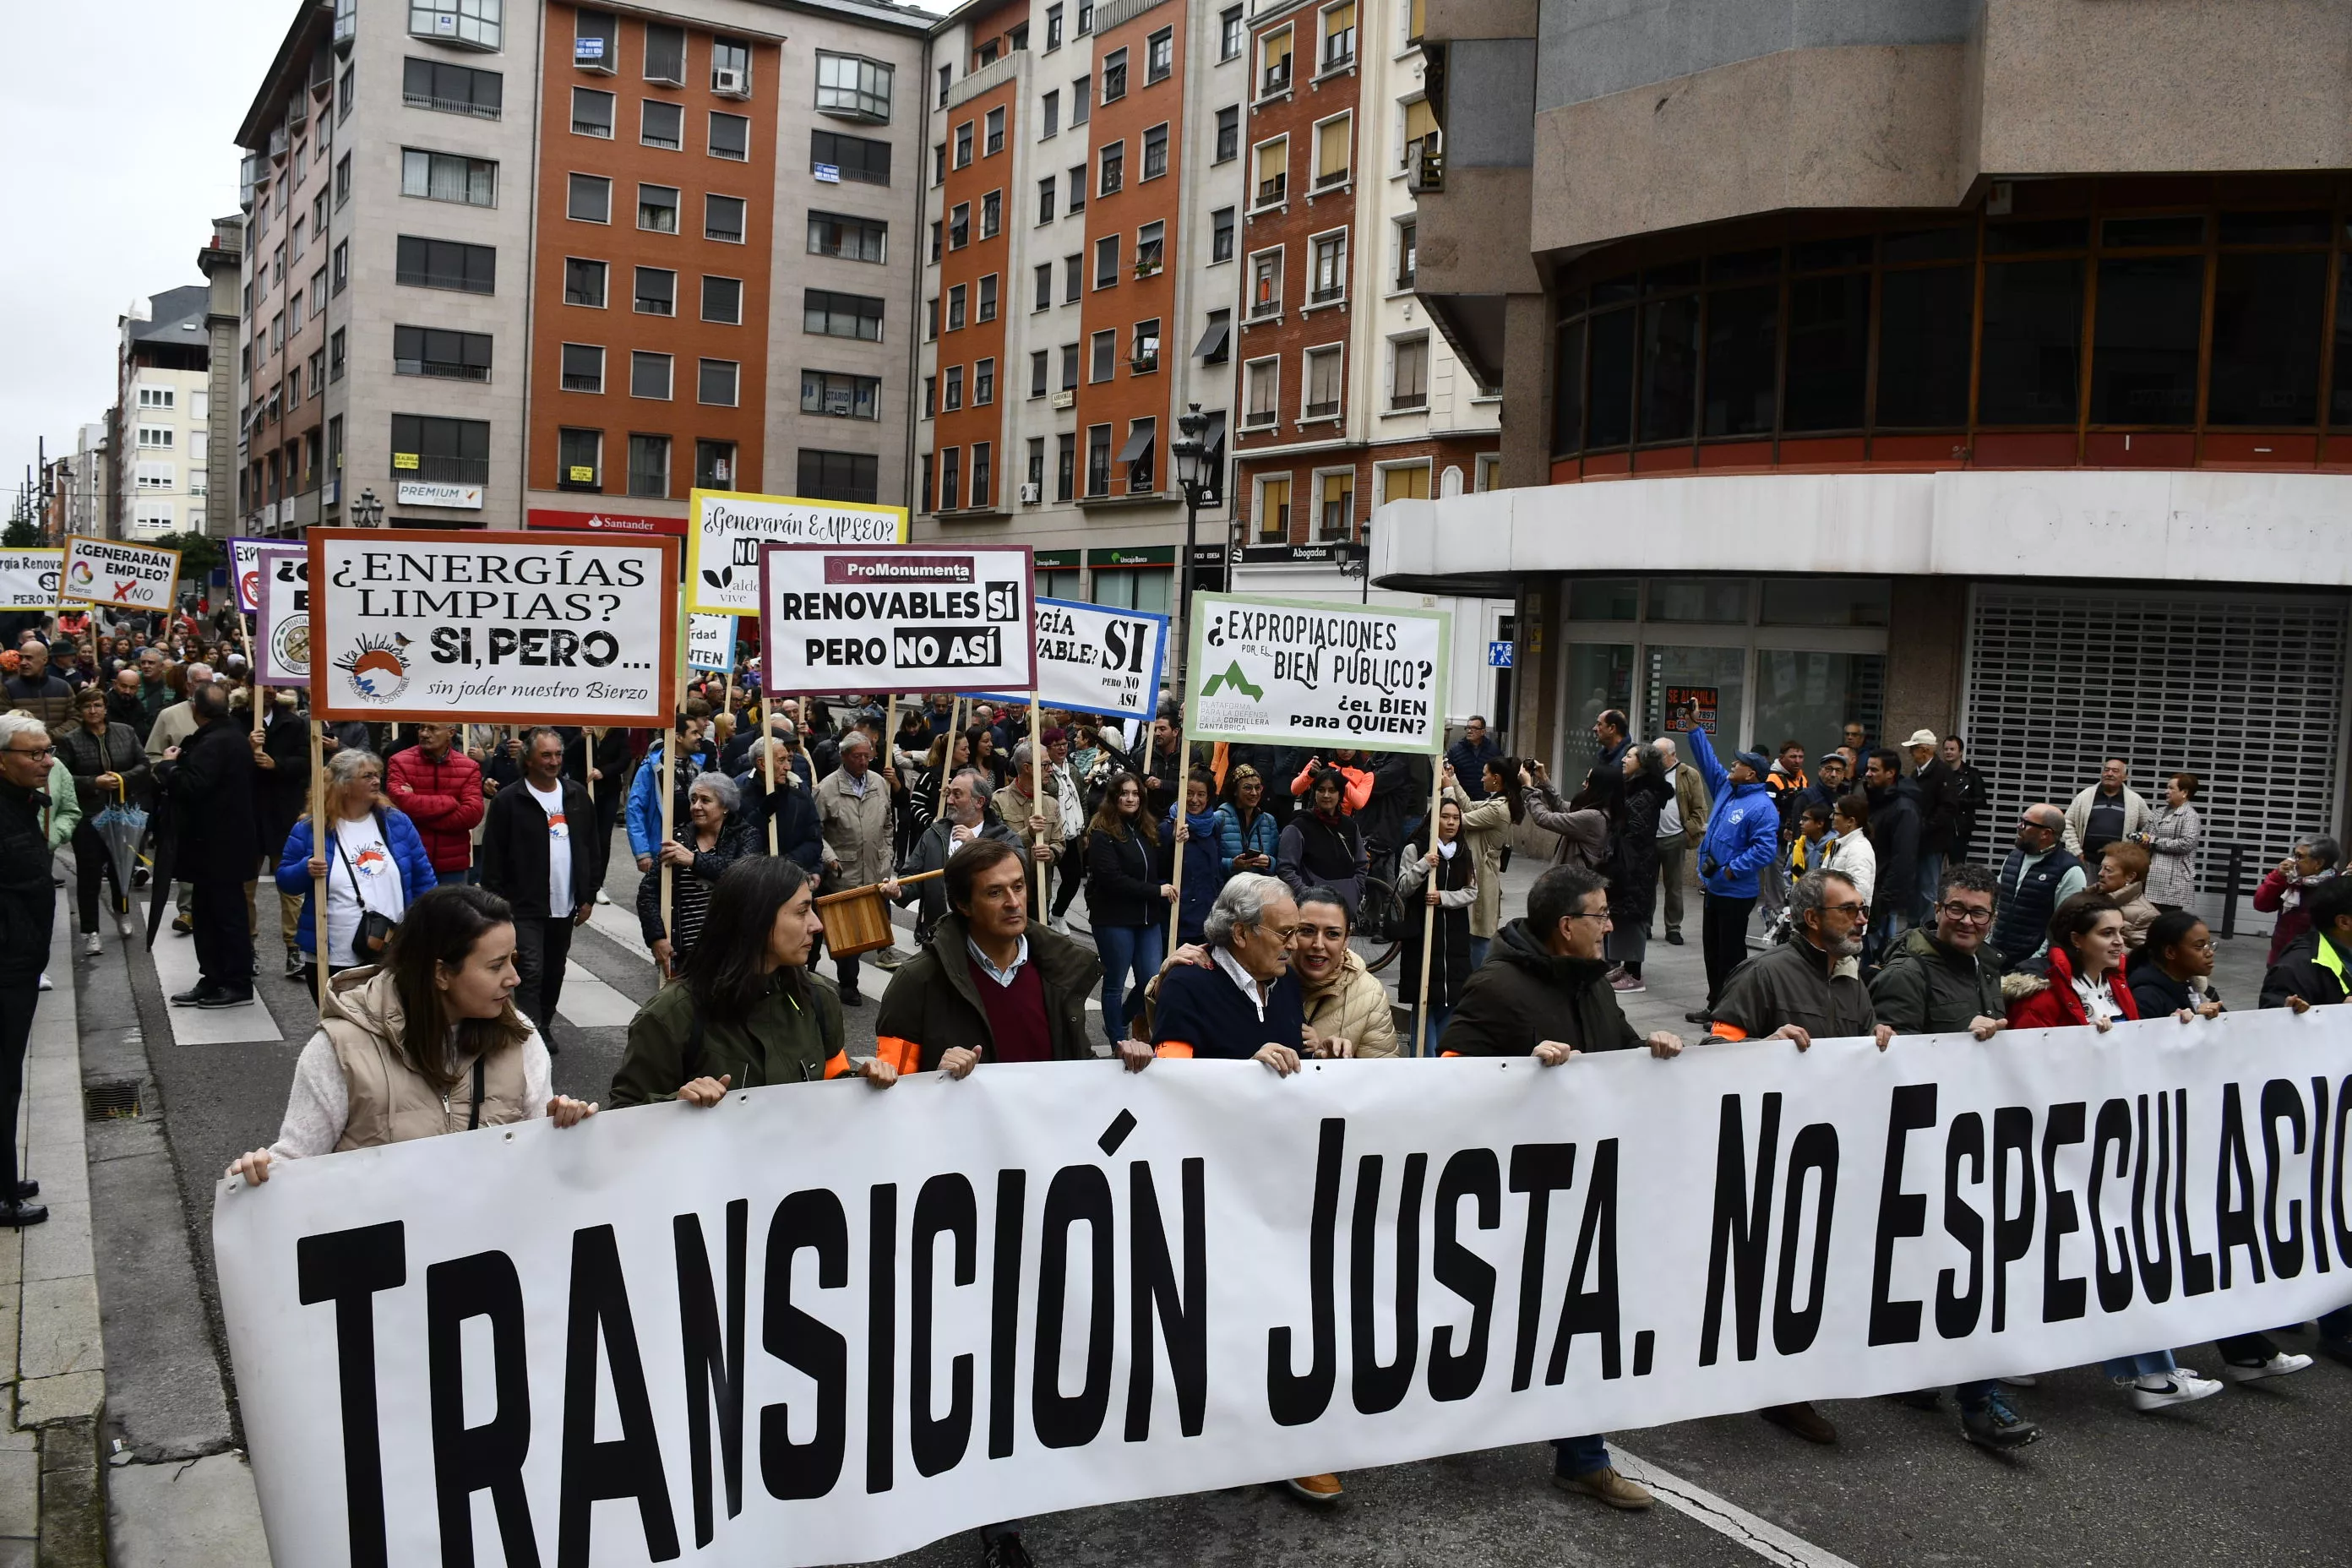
(1139, 442)
(1213, 341)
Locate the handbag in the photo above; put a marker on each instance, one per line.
(376, 930)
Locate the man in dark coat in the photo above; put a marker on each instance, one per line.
(218, 850)
(1895, 823)
(1470, 755)
(28, 909)
(536, 855)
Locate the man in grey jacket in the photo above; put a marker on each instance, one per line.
(2103, 813)
(1681, 823)
(852, 811)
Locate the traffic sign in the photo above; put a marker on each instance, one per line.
(1498, 654)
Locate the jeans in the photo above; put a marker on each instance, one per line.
(224, 934)
(1772, 884)
(1672, 853)
(542, 944)
(1479, 947)
(2151, 1363)
(1931, 874)
(1972, 1396)
(1574, 1456)
(1125, 948)
(1440, 1014)
(1723, 938)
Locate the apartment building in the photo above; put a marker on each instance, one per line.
(89, 483)
(222, 262)
(1084, 182)
(164, 398)
(504, 256)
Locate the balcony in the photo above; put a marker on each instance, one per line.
(1276, 79)
(1340, 50)
(449, 370)
(1263, 308)
(1326, 294)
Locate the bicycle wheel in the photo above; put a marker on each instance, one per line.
(1379, 924)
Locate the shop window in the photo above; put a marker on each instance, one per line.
(1710, 600)
(1669, 368)
(1927, 324)
(2266, 339)
(1829, 351)
(2144, 347)
(2032, 342)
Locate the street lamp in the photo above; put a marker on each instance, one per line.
(1194, 478)
(368, 511)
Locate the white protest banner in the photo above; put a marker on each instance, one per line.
(29, 579)
(1096, 660)
(244, 569)
(709, 642)
(913, 1311)
(495, 629)
(120, 576)
(895, 618)
(725, 532)
(281, 643)
(1309, 673)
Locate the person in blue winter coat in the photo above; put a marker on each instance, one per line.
(1247, 833)
(375, 861)
(696, 757)
(1205, 857)
(1743, 838)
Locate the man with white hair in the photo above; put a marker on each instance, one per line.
(31, 903)
(853, 812)
(966, 814)
(1037, 825)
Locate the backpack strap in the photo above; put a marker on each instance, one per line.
(476, 1120)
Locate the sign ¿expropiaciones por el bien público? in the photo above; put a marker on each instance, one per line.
(1305, 672)
(118, 575)
(498, 628)
(906, 618)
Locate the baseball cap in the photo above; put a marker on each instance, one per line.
(1921, 738)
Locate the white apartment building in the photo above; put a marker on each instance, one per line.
(165, 385)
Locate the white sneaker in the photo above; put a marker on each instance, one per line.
(92, 945)
(2279, 1365)
(45, 981)
(2182, 1385)
(603, 897)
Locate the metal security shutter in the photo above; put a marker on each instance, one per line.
(2245, 692)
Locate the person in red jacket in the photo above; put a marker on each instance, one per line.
(440, 788)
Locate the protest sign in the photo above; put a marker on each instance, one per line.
(1310, 673)
(282, 650)
(1091, 659)
(895, 618)
(709, 642)
(1202, 1275)
(245, 570)
(726, 532)
(120, 576)
(29, 579)
(500, 628)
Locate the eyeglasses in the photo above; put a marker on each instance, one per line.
(34, 750)
(1601, 916)
(1284, 932)
(1967, 912)
(1852, 908)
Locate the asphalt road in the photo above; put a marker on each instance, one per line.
(2249, 1477)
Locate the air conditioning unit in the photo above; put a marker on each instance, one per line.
(1031, 494)
(1066, 398)
(728, 83)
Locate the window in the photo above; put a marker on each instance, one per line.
(1332, 151)
(841, 315)
(584, 282)
(1114, 75)
(649, 374)
(591, 113)
(446, 264)
(1114, 167)
(649, 466)
(1069, 367)
(155, 397)
(1221, 234)
(471, 23)
(1074, 271)
(1065, 465)
(1104, 356)
(335, 355)
(1143, 355)
(1275, 56)
(658, 208)
(662, 124)
(1273, 507)
(2033, 347)
(451, 89)
(579, 460)
(318, 213)
(839, 396)
(448, 451)
(1265, 384)
(957, 295)
(1229, 134)
(983, 482)
(1077, 187)
(723, 218)
(1265, 284)
(1053, 27)
(987, 299)
(1339, 37)
(714, 465)
(1138, 455)
(434, 350)
(731, 136)
(1097, 459)
(1229, 32)
(656, 291)
(1148, 242)
(963, 144)
(666, 54)
(1322, 384)
(1216, 342)
(446, 177)
(1328, 279)
(1158, 56)
(717, 383)
(960, 225)
(584, 368)
(950, 480)
(991, 213)
(839, 476)
(590, 199)
(730, 66)
(995, 141)
(1040, 363)
(1045, 199)
(946, 80)
(1035, 481)
(938, 163)
(1050, 113)
(936, 229)
(1411, 483)
(157, 477)
(1107, 261)
(1273, 170)
(1408, 244)
(340, 265)
(850, 238)
(1085, 18)
(346, 90)
(155, 435)
(859, 158)
(984, 383)
(931, 318)
(2267, 308)
(595, 40)
(294, 240)
(1408, 372)
(853, 86)
(1335, 516)
(1155, 153)
(722, 300)
(1081, 99)
(930, 390)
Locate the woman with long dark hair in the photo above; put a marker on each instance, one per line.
(1633, 861)
(1322, 847)
(749, 1011)
(427, 1042)
(1128, 892)
(1443, 873)
(1487, 828)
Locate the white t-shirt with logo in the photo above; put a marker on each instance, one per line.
(364, 875)
(558, 848)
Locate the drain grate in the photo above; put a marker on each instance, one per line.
(110, 1101)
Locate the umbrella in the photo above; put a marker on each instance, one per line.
(120, 828)
(159, 891)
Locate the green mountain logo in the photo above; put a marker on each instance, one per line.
(1234, 678)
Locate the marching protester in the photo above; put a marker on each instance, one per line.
(2038, 876)
(1399, 795)
(2105, 812)
(1583, 827)
(1128, 893)
(2311, 971)
(798, 832)
(210, 776)
(532, 859)
(1322, 847)
(1063, 762)
(1248, 837)
(426, 1042)
(696, 756)
(1196, 837)
(950, 755)
(1037, 825)
(1355, 779)
(281, 760)
(1486, 823)
(713, 837)
(1163, 767)
(2174, 972)
(1895, 831)
(439, 788)
(1742, 839)
(2123, 877)
(2173, 840)
(1682, 822)
(966, 814)
(2310, 863)
(375, 867)
(853, 812)
(1945, 977)
(28, 906)
(35, 690)
(109, 765)
(1343, 1001)
(1546, 995)
(1442, 876)
(748, 1010)
(1786, 785)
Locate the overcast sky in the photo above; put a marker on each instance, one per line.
(123, 116)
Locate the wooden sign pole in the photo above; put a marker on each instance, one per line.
(319, 853)
(1428, 916)
(1037, 800)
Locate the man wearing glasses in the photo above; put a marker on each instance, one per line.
(1810, 985)
(28, 904)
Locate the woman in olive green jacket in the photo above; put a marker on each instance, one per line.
(749, 1011)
